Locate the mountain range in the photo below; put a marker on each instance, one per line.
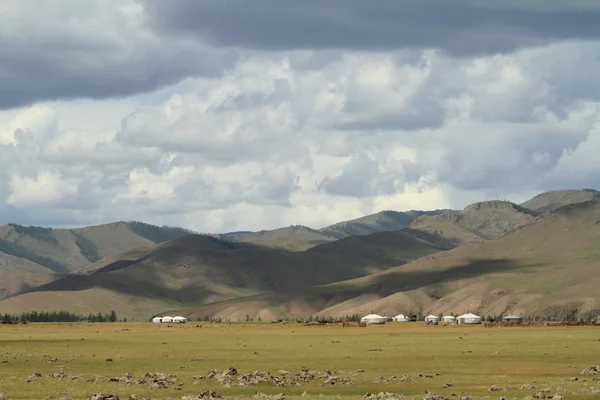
(540, 257)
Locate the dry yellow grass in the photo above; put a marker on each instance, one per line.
(471, 358)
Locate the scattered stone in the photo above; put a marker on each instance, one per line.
(447, 385)
(109, 359)
(136, 397)
(495, 389)
(527, 386)
(101, 396)
(406, 379)
(495, 353)
(259, 395)
(431, 396)
(382, 396)
(205, 395)
(572, 379)
(2, 396)
(593, 370)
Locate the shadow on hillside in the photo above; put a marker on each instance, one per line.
(391, 282)
(383, 284)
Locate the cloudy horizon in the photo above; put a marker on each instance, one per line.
(223, 116)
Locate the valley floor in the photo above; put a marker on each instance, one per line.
(468, 360)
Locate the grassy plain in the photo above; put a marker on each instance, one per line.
(471, 358)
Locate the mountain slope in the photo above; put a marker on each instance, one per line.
(294, 238)
(479, 221)
(551, 200)
(35, 249)
(379, 222)
(197, 269)
(550, 267)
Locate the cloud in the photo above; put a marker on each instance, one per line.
(70, 49)
(280, 136)
(464, 27)
(47, 188)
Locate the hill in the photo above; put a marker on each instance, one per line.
(199, 269)
(46, 250)
(380, 222)
(293, 238)
(300, 238)
(479, 221)
(548, 201)
(547, 268)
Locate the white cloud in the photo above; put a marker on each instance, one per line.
(47, 189)
(309, 138)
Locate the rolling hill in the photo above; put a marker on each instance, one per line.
(46, 250)
(550, 267)
(198, 269)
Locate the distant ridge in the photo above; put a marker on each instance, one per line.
(555, 199)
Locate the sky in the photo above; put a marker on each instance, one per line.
(225, 115)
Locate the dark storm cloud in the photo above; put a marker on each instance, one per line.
(68, 49)
(459, 27)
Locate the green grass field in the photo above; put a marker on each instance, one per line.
(471, 358)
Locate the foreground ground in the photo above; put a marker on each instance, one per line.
(468, 360)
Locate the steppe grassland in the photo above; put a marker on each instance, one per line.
(471, 358)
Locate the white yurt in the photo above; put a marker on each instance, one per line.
(167, 319)
(373, 319)
(468, 319)
(157, 320)
(448, 319)
(431, 319)
(511, 318)
(179, 320)
(400, 318)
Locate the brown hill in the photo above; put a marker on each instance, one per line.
(550, 267)
(43, 250)
(552, 200)
(294, 238)
(380, 222)
(198, 269)
(480, 221)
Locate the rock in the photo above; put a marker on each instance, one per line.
(593, 370)
(101, 396)
(109, 359)
(136, 397)
(495, 389)
(527, 386)
(447, 385)
(2, 396)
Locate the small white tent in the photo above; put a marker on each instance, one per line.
(448, 319)
(167, 319)
(400, 318)
(157, 320)
(179, 320)
(511, 318)
(373, 319)
(431, 319)
(468, 319)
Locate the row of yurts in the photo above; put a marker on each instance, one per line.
(430, 319)
(169, 320)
